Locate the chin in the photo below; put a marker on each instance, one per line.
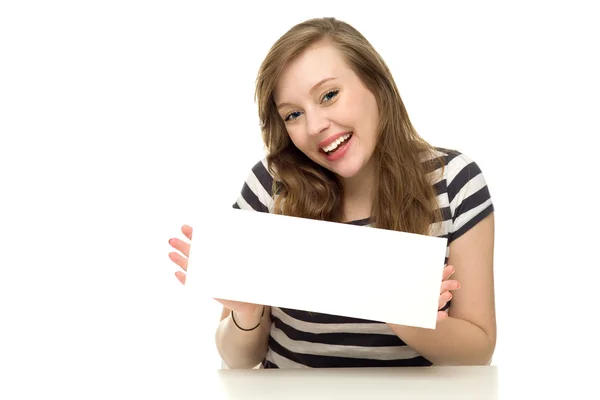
(344, 173)
(346, 170)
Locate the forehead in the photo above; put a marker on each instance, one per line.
(311, 66)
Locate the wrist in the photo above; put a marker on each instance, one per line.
(248, 321)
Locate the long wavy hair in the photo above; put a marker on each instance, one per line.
(404, 197)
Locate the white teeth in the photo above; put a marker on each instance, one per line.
(335, 144)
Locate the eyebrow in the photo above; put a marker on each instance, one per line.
(315, 87)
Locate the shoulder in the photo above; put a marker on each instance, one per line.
(257, 189)
(456, 168)
(469, 198)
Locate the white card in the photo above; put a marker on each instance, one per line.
(317, 266)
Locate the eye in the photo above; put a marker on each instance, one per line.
(329, 95)
(292, 115)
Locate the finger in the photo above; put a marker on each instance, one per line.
(179, 260)
(187, 231)
(448, 271)
(444, 299)
(449, 285)
(442, 315)
(180, 245)
(180, 276)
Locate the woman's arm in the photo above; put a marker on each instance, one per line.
(239, 348)
(468, 335)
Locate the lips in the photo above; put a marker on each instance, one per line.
(332, 139)
(340, 151)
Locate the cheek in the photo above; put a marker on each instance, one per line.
(370, 117)
(297, 137)
(356, 112)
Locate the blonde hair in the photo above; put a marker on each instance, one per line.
(405, 199)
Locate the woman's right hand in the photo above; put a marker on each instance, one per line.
(245, 310)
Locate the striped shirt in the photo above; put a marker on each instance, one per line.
(301, 339)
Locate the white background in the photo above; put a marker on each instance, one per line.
(111, 112)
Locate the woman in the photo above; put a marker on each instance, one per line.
(341, 148)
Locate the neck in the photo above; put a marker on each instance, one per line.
(358, 193)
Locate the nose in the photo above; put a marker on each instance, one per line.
(316, 122)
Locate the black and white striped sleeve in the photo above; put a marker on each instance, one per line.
(256, 190)
(468, 194)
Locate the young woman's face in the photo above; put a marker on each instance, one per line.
(329, 113)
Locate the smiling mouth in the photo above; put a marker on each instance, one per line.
(333, 147)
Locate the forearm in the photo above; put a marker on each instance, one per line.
(239, 348)
(453, 342)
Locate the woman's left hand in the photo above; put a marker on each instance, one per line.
(445, 294)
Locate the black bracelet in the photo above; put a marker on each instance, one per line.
(251, 329)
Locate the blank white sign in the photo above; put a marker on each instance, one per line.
(318, 266)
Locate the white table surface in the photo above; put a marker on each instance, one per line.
(528, 380)
(348, 384)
